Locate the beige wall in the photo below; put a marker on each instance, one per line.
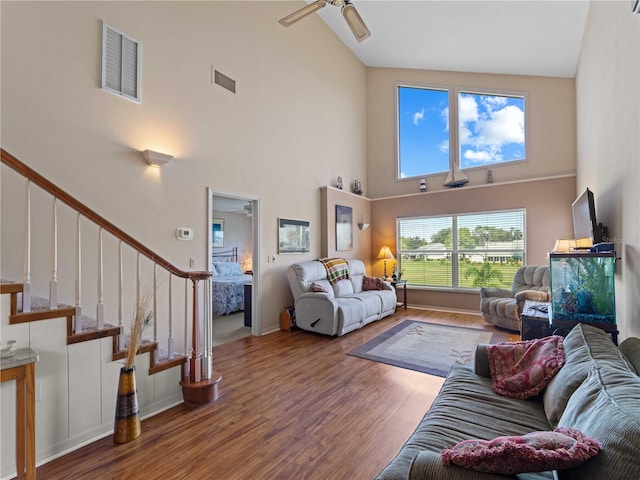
(298, 121)
(550, 124)
(548, 217)
(361, 209)
(608, 141)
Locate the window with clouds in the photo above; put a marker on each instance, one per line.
(490, 129)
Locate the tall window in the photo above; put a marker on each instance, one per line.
(462, 251)
(489, 129)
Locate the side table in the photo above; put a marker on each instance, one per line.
(21, 368)
(563, 327)
(534, 320)
(403, 284)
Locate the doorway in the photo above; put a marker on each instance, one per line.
(233, 250)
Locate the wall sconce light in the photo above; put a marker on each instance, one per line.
(363, 226)
(385, 254)
(156, 159)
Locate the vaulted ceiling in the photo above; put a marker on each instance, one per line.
(522, 37)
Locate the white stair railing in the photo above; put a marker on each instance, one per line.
(196, 343)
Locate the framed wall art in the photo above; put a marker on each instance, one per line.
(293, 236)
(344, 228)
(217, 232)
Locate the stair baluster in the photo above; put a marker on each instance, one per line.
(53, 283)
(78, 323)
(26, 289)
(121, 343)
(170, 340)
(100, 306)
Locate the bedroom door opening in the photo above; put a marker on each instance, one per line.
(232, 246)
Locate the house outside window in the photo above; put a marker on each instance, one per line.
(486, 128)
(465, 251)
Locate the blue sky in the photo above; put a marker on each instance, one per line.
(491, 130)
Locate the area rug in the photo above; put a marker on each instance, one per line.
(426, 347)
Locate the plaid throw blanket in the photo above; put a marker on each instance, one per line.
(337, 269)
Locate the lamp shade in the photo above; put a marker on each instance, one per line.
(385, 253)
(564, 245)
(571, 244)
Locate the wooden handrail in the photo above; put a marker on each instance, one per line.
(85, 211)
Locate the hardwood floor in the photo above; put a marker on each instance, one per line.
(292, 406)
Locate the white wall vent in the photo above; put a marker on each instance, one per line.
(121, 57)
(224, 81)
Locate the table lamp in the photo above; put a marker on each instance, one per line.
(385, 254)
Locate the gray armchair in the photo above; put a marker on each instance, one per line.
(502, 307)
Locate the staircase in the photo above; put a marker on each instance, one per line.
(191, 349)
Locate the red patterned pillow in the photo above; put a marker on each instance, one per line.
(523, 369)
(535, 452)
(371, 283)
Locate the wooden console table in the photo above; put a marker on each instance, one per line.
(21, 368)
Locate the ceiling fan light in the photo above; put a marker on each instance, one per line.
(355, 22)
(303, 12)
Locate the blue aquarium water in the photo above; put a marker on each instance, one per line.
(582, 287)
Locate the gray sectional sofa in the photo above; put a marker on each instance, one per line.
(344, 306)
(597, 392)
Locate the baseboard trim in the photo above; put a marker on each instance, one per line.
(444, 309)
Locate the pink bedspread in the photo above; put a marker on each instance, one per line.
(523, 369)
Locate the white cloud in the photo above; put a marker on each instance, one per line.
(482, 156)
(467, 109)
(491, 103)
(444, 146)
(502, 127)
(418, 116)
(444, 114)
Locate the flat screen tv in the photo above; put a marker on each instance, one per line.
(584, 219)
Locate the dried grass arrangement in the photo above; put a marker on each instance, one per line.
(142, 319)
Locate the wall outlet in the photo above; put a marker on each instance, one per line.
(192, 263)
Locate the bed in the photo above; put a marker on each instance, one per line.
(228, 282)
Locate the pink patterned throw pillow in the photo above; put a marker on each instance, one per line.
(524, 369)
(535, 452)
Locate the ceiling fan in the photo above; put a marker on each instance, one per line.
(349, 12)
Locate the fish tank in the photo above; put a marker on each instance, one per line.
(582, 287)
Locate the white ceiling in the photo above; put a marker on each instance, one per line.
(230, 204)
(522, 37)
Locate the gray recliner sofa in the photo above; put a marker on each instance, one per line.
(344, 306)
(595, 392)
(502, 307)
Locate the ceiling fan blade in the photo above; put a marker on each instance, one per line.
(355, 22)
(303, 12)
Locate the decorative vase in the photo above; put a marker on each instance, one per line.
(127, 420)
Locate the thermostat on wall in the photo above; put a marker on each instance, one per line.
(184, 233)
